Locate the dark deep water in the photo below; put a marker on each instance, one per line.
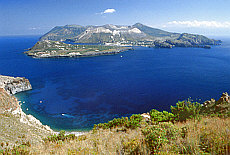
(79, 92)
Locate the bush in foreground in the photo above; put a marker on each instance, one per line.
(190, 129)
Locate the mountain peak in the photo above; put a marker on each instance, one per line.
(73, 25)
(138, 24)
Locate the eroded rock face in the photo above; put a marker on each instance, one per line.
(221, 106)
(225, 98)
(212, 101)
(17, 127)
(13, 85)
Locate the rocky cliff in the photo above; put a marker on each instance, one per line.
(16, 127)
(13, 85)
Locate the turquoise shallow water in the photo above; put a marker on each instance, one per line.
(75, 93)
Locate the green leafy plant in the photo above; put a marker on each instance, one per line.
(130, 123)
(60, 137)
(158, 135)
(132, 146)
(185, 110)
(157, 116)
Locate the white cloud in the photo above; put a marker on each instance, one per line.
(198, 24)
(109, 11)
(40, 28)
(34, 28)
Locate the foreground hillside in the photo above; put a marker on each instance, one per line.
(208, 135)
(190, 128)
(16, 127)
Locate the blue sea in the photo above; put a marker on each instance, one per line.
(76, 93)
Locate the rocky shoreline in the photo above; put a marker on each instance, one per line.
(13, 85)
(15, 124)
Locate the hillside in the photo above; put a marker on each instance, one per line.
(190, 128)
(137, 34)
(154, 32)
(17, 127)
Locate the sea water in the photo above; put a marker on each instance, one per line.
(76, 93)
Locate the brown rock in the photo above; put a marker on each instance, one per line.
(224, 98)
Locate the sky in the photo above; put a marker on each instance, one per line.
(36, 17)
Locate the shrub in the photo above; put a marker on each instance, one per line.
(132, 146)
(60, 137)
(131, 123)
(21, 149)
(164, 116)
(134, 121)
(185, 110)
(158, 135)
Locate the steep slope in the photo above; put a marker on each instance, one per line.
(59, 33)
(16, 127)
(154, 32)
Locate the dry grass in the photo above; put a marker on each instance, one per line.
(13, 132)
(101, 142)
(7, 101)
(209, 135)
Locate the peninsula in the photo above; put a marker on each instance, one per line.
(52, 49)
(80, 41)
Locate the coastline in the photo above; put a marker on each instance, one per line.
(9, 86)
(16, 126)
(39, 123)
(88, 54)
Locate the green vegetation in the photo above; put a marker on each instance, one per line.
(164, 116)
(63, 137)
(60, 49)
(185, 110)
(130, 123)
(161, 131)
(159, 135)
(21, 149)
(190, 128)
